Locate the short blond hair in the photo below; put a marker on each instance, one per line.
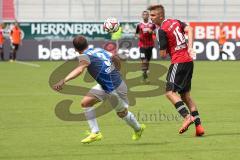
(157, 6)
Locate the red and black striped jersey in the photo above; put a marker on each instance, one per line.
(145, 37)
(171, 36)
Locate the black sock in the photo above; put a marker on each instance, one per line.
(197, 120)
(181, 108)
(1, 54)
(11, 55)
(14, 55)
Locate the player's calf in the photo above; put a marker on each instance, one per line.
(89, 111)
(182, 110)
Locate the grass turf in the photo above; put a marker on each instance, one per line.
(30, 129)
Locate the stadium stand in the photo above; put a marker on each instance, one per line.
(98, 10)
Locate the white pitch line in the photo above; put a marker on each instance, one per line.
(27, 63)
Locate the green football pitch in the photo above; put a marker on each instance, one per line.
(31, 130)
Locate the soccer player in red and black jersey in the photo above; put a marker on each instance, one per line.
(1, 42)
(145, 31)
(170, 35)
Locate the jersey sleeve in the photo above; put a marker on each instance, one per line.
(84, 57)
(109, 53)
(138, 29)
(182, 24)
(162, 39)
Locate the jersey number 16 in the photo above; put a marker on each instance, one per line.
(179, 36)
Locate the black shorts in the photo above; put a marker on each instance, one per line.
(14, 46)
(179, 77)
(146, 53)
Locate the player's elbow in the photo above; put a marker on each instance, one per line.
(117, 62)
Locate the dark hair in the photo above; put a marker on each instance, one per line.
(154, 7)
(80, 43)
(145, 11)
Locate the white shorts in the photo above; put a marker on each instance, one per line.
(120, 93)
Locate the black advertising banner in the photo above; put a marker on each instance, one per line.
(63, 50)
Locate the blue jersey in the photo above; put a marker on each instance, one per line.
(101, 68)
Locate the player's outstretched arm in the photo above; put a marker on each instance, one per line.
(75, 73)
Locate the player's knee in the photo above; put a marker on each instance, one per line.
(122, 113)
(169, 94)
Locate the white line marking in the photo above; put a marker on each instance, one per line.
(27, 63)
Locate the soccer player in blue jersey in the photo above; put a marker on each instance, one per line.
(102, 67)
